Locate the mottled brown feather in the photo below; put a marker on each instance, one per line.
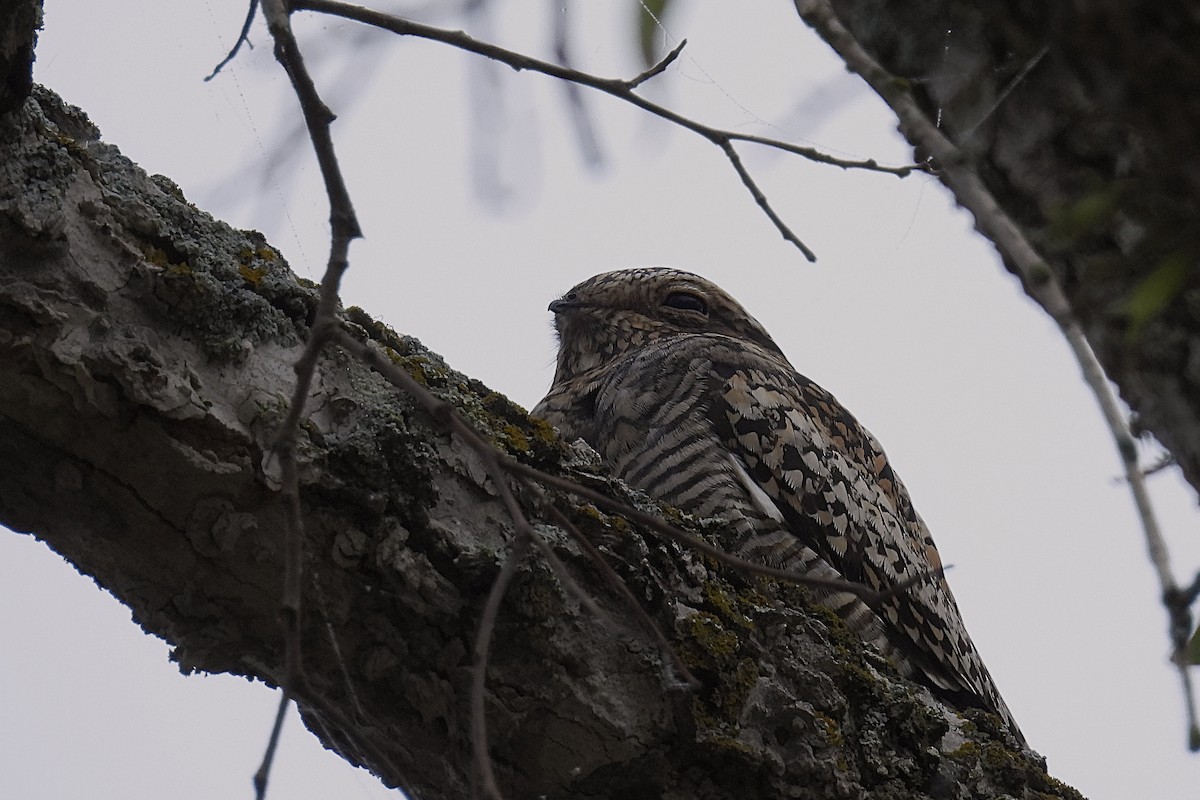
(687, 397)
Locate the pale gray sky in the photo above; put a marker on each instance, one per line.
(907, 317)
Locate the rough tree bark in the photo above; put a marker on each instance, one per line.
(145, 360)
(1083, 119)
(145, 354)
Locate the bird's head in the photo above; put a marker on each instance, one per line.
(614, 312)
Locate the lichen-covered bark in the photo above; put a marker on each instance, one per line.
(1084, 122)
(145, 361)
(19, 22)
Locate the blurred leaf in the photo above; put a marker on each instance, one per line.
(649, 32)
(1089, 215)
(1159, 288)
(1193, 648)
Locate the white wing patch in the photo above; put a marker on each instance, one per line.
(761, 501)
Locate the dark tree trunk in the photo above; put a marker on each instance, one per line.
(146, 356)
(1083, 119)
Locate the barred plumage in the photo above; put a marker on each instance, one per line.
(687, 397)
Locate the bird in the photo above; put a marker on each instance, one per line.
(685, 396)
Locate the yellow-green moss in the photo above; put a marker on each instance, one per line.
(833, 731)
(707, 644)
(968, 751)
(517, 440)
(719, 596)
(541, 599)
(589, 510)
(735, 688)
(251, 275)
(996, 757)
(413, 365)
(542, 430)
(609, 521)
(155, 255)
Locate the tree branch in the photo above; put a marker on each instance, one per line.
(958, 172)
(621, 89)
(145, 354)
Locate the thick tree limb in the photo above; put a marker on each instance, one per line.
(146, 356)
(1070, 134)
(19, 24)
(1092, 152)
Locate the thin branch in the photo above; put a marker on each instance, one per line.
(622, 89)
(1189, 595)
(1006, 91)
(443, 412)
(243, 37)
(761, 199)
(263, 773)
(318, 118)
(483, 641)
(991, 220)
(344, 227)
(863, 592)
(631, 602)
(331, 634)
(617, 87)
(493, 460)
(345, 726)
(658, 68)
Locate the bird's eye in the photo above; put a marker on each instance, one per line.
(686, 301)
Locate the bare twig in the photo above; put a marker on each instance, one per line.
(761, 199)
(1041, 283)
(658, 68)
(1192, 592)
(483, 641)
(1005, 92)
(334, 713)
(524, 528)
(1162, 462)
(243, 37)
(865, 593)
(631, 602)
(344, 228)
(617, 87)
(331, 634)
(263, 773)
(623, 89)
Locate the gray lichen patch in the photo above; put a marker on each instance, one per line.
(227, 288)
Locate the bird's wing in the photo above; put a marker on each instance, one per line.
(837, 494)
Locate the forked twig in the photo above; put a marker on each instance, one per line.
(243, 38)
(344, 226)
(616, 87)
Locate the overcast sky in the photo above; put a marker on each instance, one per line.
(907, 317)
